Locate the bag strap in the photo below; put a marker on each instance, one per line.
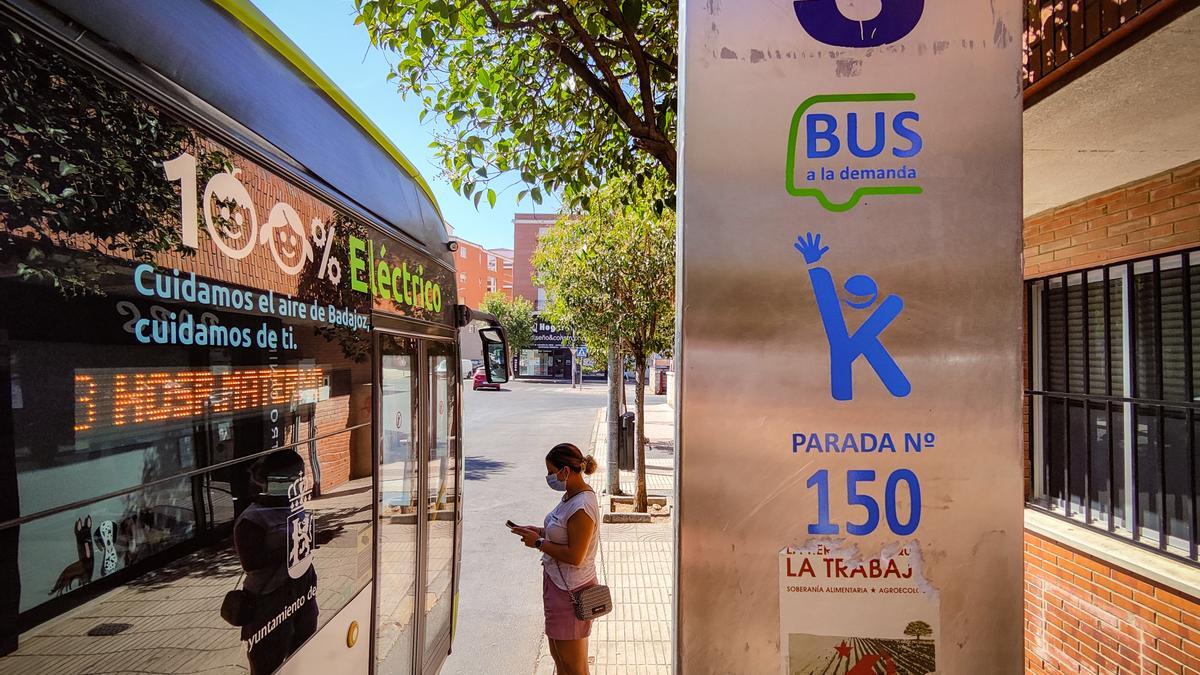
(599, 547)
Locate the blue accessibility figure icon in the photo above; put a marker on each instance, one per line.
(872, 22)
(845, 347)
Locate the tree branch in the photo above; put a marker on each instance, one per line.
(533, 21)
(649, 57)
(639, 59)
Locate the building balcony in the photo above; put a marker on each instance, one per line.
(1112, 89)
(1065, 37)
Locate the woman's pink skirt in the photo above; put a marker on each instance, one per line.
(561, 623)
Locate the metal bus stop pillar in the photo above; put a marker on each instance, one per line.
(849, 394)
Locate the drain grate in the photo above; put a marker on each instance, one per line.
(109, 629)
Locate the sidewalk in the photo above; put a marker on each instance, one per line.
(637, 565)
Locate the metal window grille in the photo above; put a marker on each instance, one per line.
(1113, 411)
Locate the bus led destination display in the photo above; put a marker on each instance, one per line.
(869, 375)
(106, 398)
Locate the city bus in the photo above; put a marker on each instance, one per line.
(229, 372)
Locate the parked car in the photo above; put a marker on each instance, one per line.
(479, 381)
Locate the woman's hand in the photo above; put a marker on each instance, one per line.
(528, 535)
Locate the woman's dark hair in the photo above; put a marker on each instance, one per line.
(566, 454)
(283, 463)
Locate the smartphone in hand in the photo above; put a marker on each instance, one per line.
(511, 525)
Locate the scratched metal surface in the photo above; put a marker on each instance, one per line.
(754, 360)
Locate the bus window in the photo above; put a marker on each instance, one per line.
(442, 498)
(398, 507)
(145, 471)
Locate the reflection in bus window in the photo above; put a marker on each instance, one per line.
(274, 542)
(397, 507)
(442, 498)
(125, 463)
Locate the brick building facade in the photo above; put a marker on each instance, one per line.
(1111, 262)
(481, 271)
(526, 228)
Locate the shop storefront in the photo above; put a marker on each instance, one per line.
(547, 357)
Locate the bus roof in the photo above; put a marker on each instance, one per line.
(255, 20)
(230, 56)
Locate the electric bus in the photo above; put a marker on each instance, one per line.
(229, 370)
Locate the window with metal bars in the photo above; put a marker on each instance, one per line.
(1112, 396)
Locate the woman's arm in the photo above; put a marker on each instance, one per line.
(579, 536)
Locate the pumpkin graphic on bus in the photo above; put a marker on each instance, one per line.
(229, 215)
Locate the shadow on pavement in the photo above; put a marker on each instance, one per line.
(478, 468)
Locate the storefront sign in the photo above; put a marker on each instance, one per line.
(548, 336)
(850, 425)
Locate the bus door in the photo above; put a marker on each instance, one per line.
(418, 503)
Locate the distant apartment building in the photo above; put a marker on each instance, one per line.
(547, 358)
(526, 229)
(481, 271)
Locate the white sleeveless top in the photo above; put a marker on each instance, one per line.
(556, 532)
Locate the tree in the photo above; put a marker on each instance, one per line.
(562, 92)
(83, 158)
(918, 629)
(516, 316)
(609, 271)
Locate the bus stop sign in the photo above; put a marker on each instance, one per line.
(849, 422)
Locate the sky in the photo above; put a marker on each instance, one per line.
(325, 30)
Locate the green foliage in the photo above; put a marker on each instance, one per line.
(609, 273)
(609, 270)
(561, 94)
(515, 315)
(83, 156)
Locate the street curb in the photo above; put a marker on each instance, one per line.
(601, 462)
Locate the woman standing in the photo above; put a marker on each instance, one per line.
(262, 539)
(568, 542)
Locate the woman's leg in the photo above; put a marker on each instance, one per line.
(558, 666)
(572, 656)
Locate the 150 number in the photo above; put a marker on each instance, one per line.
(820, 480)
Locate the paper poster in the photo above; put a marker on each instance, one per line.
(844, 614)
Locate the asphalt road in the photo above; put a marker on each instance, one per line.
(506, 437)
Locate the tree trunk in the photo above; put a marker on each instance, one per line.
(621, 378)
(639, 397)
(616, 382)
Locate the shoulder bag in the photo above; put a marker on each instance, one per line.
(238, 606)
(595, 601)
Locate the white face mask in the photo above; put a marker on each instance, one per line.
(555, 482)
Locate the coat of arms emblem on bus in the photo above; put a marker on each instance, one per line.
(858, 23)
(845, 347)
(299, 531)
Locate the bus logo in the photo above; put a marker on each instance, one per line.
(853, 142)
(859, 23)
